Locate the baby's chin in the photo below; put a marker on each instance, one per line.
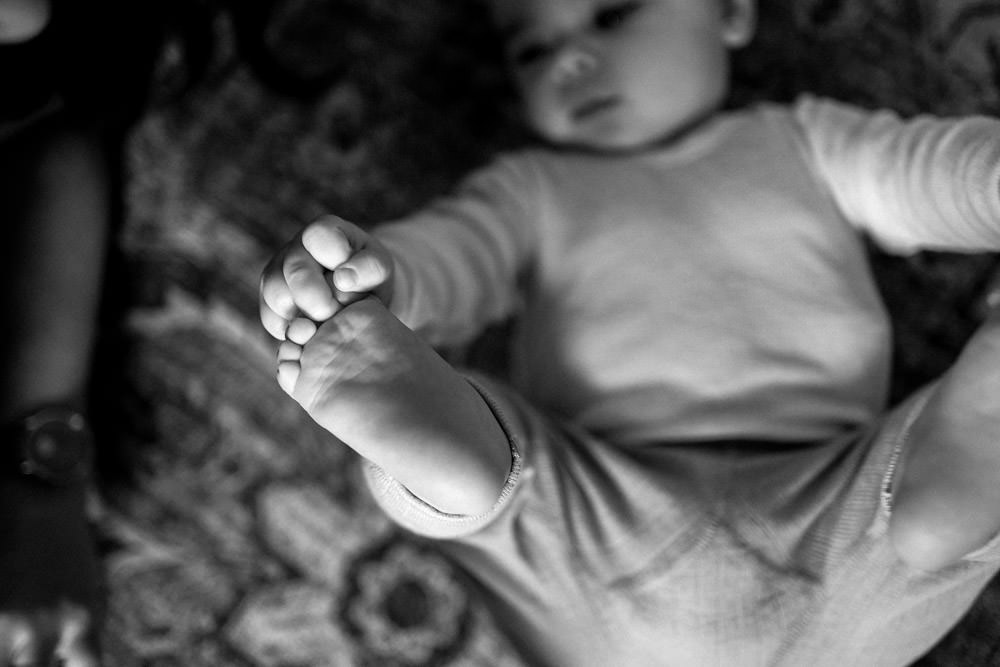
(611, 133)
(623, 132)
(605, 142)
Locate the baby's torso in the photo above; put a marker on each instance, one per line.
(708, 291)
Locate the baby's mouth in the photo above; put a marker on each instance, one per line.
(595, 106)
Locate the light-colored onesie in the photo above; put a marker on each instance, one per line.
(702, 465)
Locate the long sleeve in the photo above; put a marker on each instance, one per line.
(925, 183)
(458, 261)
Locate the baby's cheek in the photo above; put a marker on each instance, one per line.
(540, 113)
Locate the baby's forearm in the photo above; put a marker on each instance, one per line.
(449, 283)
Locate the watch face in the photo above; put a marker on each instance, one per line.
(57, 446)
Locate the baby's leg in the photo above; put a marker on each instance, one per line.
(947, 501)
(376, 386)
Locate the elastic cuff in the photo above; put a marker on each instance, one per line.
(902, 438)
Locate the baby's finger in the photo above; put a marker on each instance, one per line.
(289, 351)
(332, 240)
(308, 286)
(274, 324)
(363, 272)
(300, 330)
(288, 375)
(274, 292)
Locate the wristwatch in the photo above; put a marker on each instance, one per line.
(53, 444)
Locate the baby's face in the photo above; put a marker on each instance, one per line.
(620, 74)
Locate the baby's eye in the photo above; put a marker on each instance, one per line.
(530, 54)
(614, 16)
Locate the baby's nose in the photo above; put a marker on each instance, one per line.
(572, 63)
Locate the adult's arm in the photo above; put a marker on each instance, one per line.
(54, 219)
(459, 261)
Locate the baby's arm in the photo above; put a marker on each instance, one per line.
(370, 381)
(923, 183)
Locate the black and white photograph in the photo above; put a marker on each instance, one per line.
(499, 333)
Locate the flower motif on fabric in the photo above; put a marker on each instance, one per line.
(406, 606)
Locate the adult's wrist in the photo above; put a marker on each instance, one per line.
(50, 445)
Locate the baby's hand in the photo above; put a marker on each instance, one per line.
(330, 264)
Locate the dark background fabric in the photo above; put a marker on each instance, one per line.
(234, 532)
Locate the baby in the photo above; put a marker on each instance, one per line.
(694, 464)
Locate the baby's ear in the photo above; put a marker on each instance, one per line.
(739, 22)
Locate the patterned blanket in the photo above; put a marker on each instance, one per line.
(238, 535)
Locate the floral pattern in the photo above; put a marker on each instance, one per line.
(406, 606)
(234, 531)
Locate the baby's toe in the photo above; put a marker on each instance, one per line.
(288, 375)
(300, 330)
(289, 351)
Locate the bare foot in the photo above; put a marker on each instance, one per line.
(947, 503)
(379, 388)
